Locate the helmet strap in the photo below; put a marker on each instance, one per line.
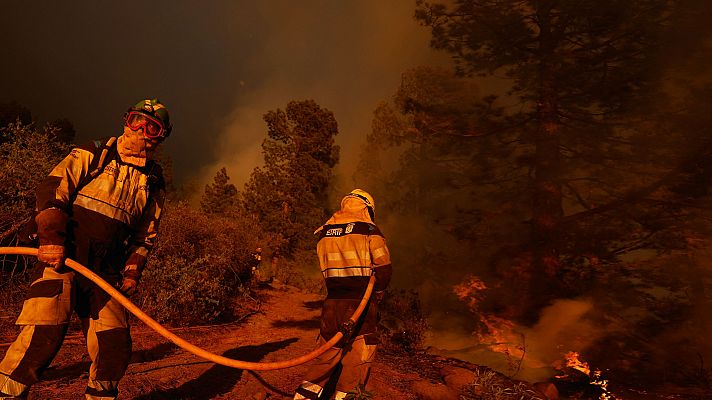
(371, 213)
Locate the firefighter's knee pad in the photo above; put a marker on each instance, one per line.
(110, 314)
(49, 300)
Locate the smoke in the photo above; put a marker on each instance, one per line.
(219, 66)
(528, 353)
(563, 327)
(347, 57)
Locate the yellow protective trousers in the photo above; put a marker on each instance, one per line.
(354, 359)
(44, 319)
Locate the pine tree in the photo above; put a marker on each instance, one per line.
(289, 194)
(220, 196)
(617, 178)
(576, 69)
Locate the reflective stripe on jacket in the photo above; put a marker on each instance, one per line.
(350, 249)
(348, 254)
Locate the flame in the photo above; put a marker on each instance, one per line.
(471, 291)
(596, 378)
(603, 383)
(501, 335)
(573, 361)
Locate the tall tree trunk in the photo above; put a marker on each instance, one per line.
(547, 209)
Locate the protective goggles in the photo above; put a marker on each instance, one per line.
(153, 128)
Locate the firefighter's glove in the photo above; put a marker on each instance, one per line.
(51, 229)
(347, 328)
(51, 254)
(130, 282)
(128, 287)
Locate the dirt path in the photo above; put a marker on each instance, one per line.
(285, 327)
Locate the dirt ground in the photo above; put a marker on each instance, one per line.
(285, 327)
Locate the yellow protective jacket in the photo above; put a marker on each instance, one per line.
(113, 219)
(350, 247)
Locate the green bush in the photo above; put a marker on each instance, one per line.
(403, 326)
(201, 267)
(27, 155)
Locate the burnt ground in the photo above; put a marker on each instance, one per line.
(285, 327)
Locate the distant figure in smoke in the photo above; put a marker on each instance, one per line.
(351, 248)
(256, 259)
(100, 206)
(259, 272)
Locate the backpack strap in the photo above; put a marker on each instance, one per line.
(103, 155)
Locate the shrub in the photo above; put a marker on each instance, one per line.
(201, 263)
(302, 271)
(27, 155)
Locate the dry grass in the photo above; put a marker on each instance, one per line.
(489, 385)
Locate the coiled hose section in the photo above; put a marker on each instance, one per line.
(200, 352)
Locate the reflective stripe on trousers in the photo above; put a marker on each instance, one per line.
(308, 390)
(355, 358)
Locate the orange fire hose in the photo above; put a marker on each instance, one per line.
(228, 362)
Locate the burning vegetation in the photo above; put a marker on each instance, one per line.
(565, 204)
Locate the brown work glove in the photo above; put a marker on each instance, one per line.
(131, 273)
(128, 287)
(51, 229)
(51, 254)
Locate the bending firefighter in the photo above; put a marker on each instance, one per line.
(351, 248)
(100, 206)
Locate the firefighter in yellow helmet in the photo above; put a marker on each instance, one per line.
(351, 248)
(100, 206)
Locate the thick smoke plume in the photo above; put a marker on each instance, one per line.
(347, 58)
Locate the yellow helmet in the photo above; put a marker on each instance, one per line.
(366, 198)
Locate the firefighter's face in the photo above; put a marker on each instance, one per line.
(138, 135)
